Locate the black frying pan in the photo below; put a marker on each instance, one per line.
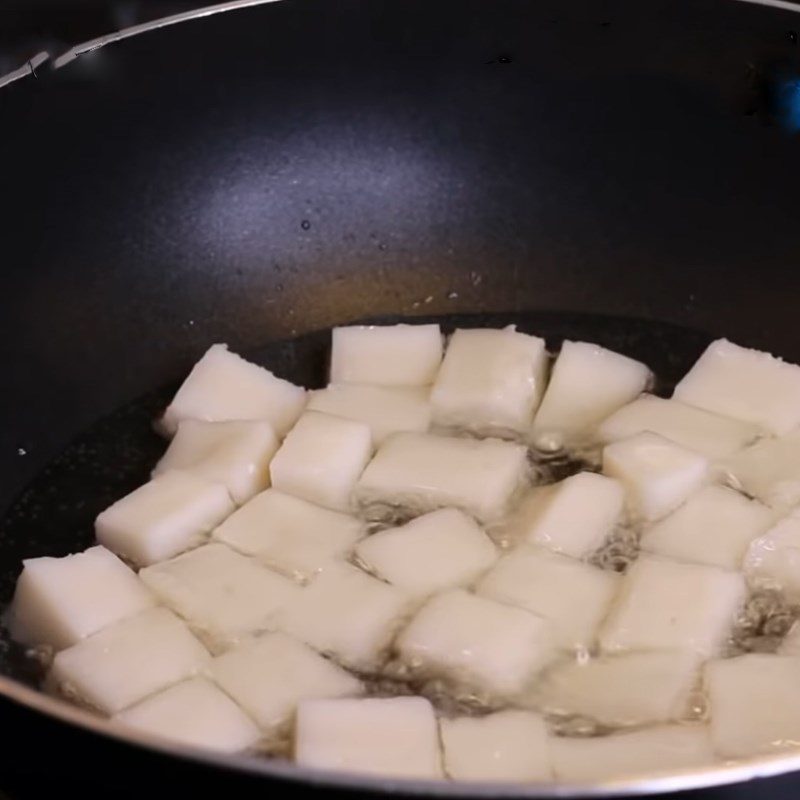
(623, 172)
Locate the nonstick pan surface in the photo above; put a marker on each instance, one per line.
(620, 172)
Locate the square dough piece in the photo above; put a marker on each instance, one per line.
(657, 474)
(714, 526)
(755, 704)
(59, 601)
(128, 661)
(490, 382)
(749, 385)
(321, 459)
(505, 746)
(769, 470)
(395, 737)
(223, 386)
(423, 472)
(573, 595)
(172, 513)
(436, 551)
(474, 641)
(387, 355)
(628, 689)
(573, 517)
(293, 536)
(773, 560)
(194, 713)
(661, 749)
(710, 434)
(235, 454)
(667, 605)
(386, 409)
(348, 615)
(587, 384)
(223, 595)
(271, 674)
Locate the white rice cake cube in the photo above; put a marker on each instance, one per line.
(194, 713)
(395, 737)
(387, 355)
(171, 513)
(59, 601)
(710, 434)
(573, 595)
(504, 746)
(790, 646)
(348, 615)
(773, 560)
(769, 470)
(224, 596)
(236, 454)
(574, 516)
(587, 384)
(425, 472)
(439, 550)
(657, 473)
(474, 641)
(270, 675)
(755, 704)
(714, 526)
(490, 382)
(321, 459)
(667, 605)
(749, 385)
(386, 409)
(657, 750)
(290, 535)
(128, 661)
(223, 386)
(628, 689)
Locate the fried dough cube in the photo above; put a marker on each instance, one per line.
(224, 596)
(474, 641)
(587, 384)
(666, 605)
(490, 381)
(348, 615)
(504, 746)
(387, 355)
(127, 661)
(439, 550)
(755, 704)
(657, 474)
(395, 737)
(745, 384)
(573, 595)
(269, 675)
(194, 713)
(386, 409)
(714, 526)
(171, 513)
(423, 472)
(712, 435)
(223, 386)
(290, 535)
(321, 459)
(235, 454)
(59, 601)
